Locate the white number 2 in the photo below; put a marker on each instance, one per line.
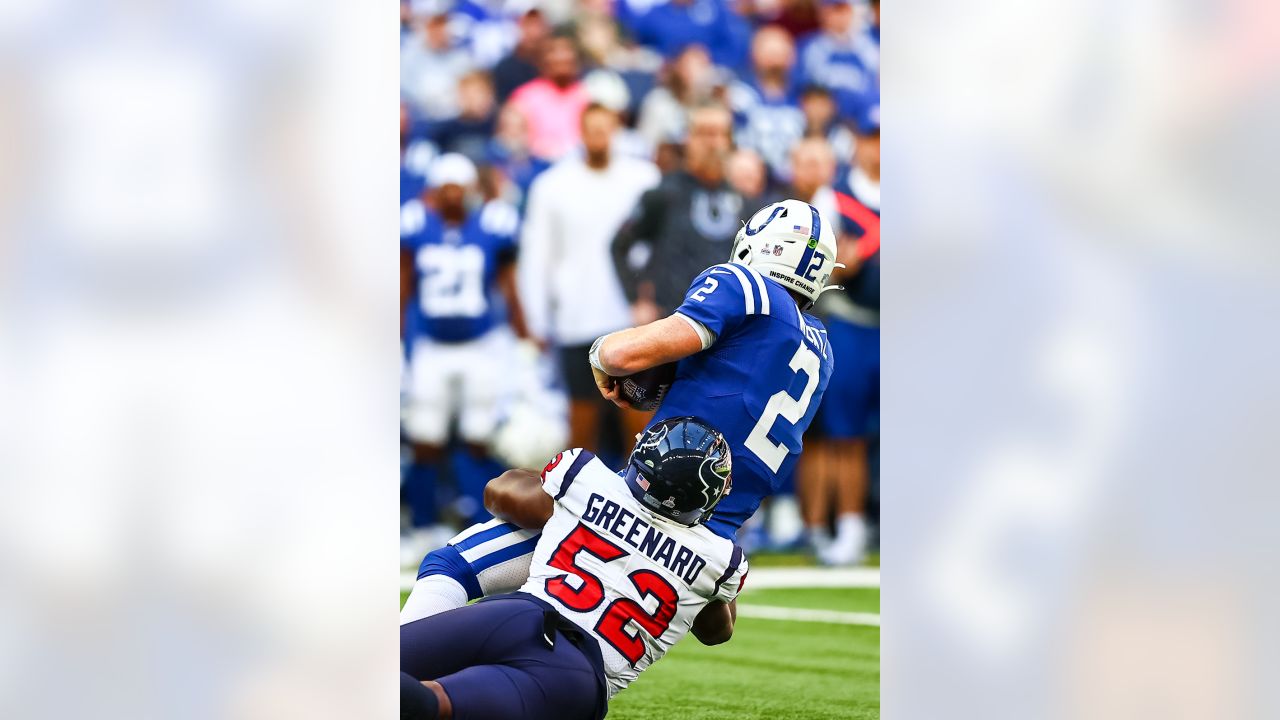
(791, 409)
(701, 293)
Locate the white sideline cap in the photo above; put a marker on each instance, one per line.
(451, 169)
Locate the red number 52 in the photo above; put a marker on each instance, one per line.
(613, 624)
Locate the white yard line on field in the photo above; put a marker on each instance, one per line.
(769, 612)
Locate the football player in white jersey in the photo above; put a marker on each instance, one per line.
(624, 568)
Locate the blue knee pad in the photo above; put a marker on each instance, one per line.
(448, 561)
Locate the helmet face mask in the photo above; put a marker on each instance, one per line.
(788, 242)
(680, 470)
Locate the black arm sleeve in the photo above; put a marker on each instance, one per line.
(641, 227)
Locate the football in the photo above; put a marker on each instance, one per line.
(645, 389)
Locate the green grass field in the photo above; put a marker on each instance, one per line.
(771, 668)
(776, 669)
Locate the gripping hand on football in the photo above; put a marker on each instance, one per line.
(627, 352)
(610, 388)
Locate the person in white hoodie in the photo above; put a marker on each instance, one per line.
(567, 281)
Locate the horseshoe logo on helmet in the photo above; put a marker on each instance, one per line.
(778, 211)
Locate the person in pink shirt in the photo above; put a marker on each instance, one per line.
(552, 104)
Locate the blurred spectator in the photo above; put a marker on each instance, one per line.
(689, 81)
(567, 281)
(552, 104)
(851, 407)
(417, 151)
(509, 157)
(684, 225)
(843, 57)
(469, 132)
(521, 65)
(607, 88)
(411, 179)
(674, 25)
(821, 120)
(797, 17)
(858, 197)
(602, 44)
(453, 268)
(765, 102)
(430, 66)
(486, 27)
(603, 47)
(746, 173)
(813, 168)
(406, 23)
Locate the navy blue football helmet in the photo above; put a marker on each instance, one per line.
(680, 469)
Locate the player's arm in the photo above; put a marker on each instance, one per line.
(537, 257)
(516, 496)
(714, 625)
(641, 228)
(662, 341)
(629, 351)
(515, 311)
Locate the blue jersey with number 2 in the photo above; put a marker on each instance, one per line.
(760, 383)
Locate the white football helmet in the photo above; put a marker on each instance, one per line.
(535, 425)
(788, 242)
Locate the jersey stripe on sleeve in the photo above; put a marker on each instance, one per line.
(734, 562)
(500, 556)
(747, 291)
(764, 291)
(510, 536)
(583, 458)
(484, 533)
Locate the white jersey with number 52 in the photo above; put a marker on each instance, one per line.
(633, 580)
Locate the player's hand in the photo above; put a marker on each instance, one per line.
(609, 388)
(534, 344)
(644, 312)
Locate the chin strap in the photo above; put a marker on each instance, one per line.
(838, 265)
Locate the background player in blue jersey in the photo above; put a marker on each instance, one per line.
(458, 295)
(750, 361)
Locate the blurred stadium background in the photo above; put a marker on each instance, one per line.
(612, 150)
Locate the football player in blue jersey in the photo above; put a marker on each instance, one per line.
(749, 359)
(458, 296)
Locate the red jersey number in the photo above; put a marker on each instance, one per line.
(613, 624)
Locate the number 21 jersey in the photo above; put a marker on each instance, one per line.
(455, 272)
(632, 580)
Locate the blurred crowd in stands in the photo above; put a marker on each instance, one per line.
(567, 168)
